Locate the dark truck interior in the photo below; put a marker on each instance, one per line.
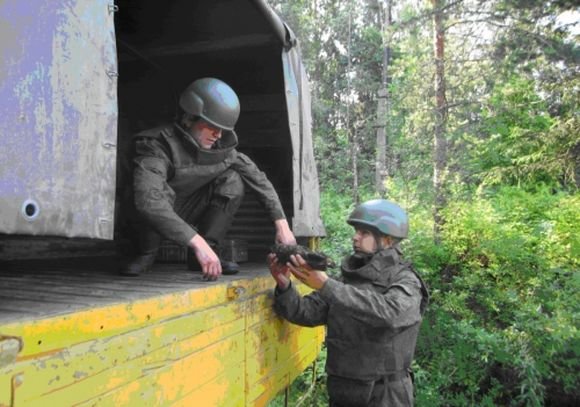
(164, 46)
(161, 48)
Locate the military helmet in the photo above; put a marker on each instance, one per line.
(381, 216)
(213, 100)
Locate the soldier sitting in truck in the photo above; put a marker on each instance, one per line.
(189, 181)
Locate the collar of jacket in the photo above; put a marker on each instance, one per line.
(222, 148)
(372, 270)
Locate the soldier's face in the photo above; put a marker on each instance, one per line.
(363, 241)
(205, 134)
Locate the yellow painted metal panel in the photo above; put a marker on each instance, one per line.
(262, 305)
(277, 351)
(259, 393)
(5, 390)
(216, 367)
(73, 364)
(53, 334)
(223, 391)
(265, 351)
(219, 345)
(93, 383)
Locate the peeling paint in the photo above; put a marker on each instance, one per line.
(57, 103)
(197, 348)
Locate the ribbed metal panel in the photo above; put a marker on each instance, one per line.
(253, 225)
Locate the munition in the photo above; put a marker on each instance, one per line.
(316, 260)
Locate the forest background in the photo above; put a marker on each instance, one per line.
(465, 112)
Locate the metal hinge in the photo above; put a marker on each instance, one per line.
(112, 8)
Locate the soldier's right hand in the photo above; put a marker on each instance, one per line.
(207, 258)
(279, 272)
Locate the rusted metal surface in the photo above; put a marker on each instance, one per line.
(58, 103)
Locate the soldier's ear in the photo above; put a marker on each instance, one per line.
(387, 241)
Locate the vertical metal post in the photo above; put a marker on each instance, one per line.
(310, 389)
(314, 243)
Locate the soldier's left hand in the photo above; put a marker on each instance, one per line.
(302, 271)
(279, 272)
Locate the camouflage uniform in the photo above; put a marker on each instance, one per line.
(372, 317)
(178, 185)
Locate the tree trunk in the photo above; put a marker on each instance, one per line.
(440, 142)
(352, 135)
(354, 158)
(381, 166)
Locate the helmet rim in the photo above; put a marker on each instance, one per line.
(212, 100)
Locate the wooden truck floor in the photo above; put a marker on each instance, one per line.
(40, 289)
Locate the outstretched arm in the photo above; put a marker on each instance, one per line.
(283, 233)
(207, 258)
(397, 308)
(310, 310)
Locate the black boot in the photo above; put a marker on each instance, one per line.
(228, 267)
(140, 264)
(148, 245)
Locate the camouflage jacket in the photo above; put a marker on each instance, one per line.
(372, 315)
(169, 165)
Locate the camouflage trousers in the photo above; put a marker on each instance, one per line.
(210, 210)
(391, 392)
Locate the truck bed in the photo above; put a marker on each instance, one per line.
(45, 288)
(73, 332)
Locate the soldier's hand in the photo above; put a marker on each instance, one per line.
(207, 258)
(302, 271)
(283, 233)
(279, 272)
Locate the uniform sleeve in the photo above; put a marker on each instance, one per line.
(260, 184)
(154, 197)
(398, 307)
(310, 310)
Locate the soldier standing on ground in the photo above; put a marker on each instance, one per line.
(372, 315)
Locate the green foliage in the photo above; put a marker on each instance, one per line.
(502, 327)
(524, 145)
(335, 208)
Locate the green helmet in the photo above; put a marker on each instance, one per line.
(213, 100)
(381, 216)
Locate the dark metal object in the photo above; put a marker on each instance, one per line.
(316, 260)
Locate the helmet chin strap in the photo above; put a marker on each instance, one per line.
(378, 242)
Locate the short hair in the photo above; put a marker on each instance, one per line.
(187, 119)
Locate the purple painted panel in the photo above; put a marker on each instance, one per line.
(58, 110)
